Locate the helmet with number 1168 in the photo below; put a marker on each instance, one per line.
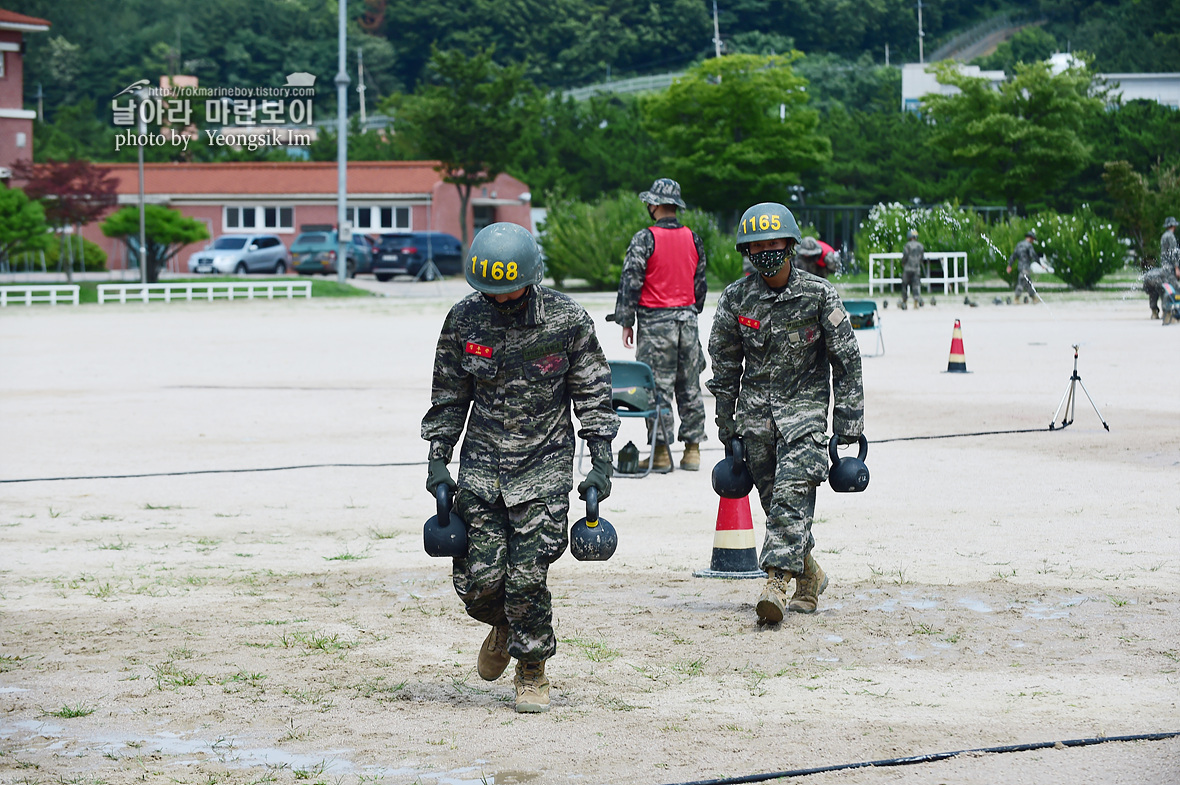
(504, 257)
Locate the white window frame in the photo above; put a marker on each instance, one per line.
(258, 214)
(377, 217)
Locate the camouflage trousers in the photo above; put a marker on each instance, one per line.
(1024, 281)
(672, 347)
(786, 475)
(502, 580)
(1153, 283)
(911, 280)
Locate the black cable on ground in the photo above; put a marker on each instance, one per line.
(930, 758)
(218, 471)
(421, 463)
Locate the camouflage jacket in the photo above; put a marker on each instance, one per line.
(512, 380)
(1169, 250)
(1023, 255)
(911, 256)
(774, 353)
(635, 270)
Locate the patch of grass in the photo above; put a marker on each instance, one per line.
(67, 712)
(1117, 602)
(316, 641)
(101, 517)
(102, 591)
(595, 651)
(115, 546)
(169, 676)
(383, 534)
(8, 663)
(690, 667)
(348, 556)
(379, 689)
(149, 506)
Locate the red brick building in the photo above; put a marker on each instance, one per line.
(282, 198)
(16, 122)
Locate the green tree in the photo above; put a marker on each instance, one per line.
(737, 130)
(167, 232)
(585, 149)
(22, 224)
(1141, 204)
(1028, 45)
(1021, 139)
(468, 115)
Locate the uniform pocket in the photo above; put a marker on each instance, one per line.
(480, 367)
(547, 367)
(554, 530)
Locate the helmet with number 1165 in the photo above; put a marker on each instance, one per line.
(504, 257)
(767, 221)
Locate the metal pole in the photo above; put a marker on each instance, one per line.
(716, 32)
(143, 261)
(342, 81)
(360, 83)
(921, 56)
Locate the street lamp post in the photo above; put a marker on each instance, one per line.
(342, 80)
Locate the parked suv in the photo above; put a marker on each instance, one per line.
(315, 252)
(242, 253)
(405, 253)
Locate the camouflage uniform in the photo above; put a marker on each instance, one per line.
(511, 380)
(1024, 254)
(911, 270)
(1169, 250)
(1154, 280)
(773, 356)
(667, 339)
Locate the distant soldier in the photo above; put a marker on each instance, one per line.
(663, 288)
(911, 269)
(782, 345)
(816, 257)
(511, 358)
(1024, 254)
(1166, 273)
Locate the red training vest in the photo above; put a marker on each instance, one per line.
(670, 270)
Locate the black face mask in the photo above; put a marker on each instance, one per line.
(769, 262)
(509, 307)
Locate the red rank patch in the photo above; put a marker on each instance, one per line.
(479, 351)
(746, 320)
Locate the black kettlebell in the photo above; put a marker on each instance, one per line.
(444, 534)
(593, 538)
(731, 478)
(848, 474)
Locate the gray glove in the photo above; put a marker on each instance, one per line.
(844, 438)
(601, 469)
(726, 432)
(437, 472)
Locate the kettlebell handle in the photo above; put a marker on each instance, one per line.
(739, 455)
(592, 506)
(835, 440)
(442, 499)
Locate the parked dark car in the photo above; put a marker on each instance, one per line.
(405, 253)
(315, 253)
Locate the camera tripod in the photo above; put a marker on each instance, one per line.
(1069, 398)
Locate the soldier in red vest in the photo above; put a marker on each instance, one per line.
(663, 288)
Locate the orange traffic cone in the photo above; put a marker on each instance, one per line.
(957, 362)
(734, 553)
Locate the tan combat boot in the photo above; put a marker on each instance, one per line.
(1155, 313)
(773, 601)
(532, 688)
(663, 459)
(691, 462)
(493, 655)
(808, 587)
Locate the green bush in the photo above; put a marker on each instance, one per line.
(947, 227)
(588, 241)
(1004, 237)
(1081, 248)
(94, 257)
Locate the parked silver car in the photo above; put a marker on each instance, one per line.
(242, 253)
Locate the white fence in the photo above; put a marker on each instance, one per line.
(47, 293)
(881, 270)
(168, 292)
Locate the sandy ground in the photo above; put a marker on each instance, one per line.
(286, 626)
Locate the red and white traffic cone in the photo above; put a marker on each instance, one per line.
(735, 554)
(957, 362)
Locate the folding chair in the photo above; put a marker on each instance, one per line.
(632, 384)
(864, 316)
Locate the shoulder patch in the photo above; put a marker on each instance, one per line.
(836, 316)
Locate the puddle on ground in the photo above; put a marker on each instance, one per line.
(972, 604)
